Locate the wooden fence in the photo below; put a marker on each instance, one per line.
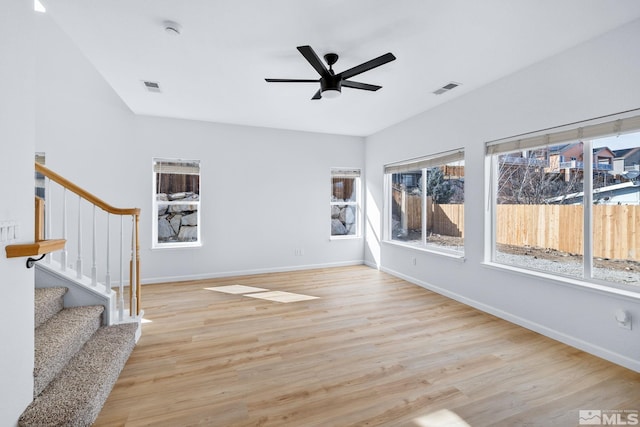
(616, 228)
(447, 220)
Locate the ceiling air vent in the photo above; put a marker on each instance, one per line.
(446, 88)
(152, 86)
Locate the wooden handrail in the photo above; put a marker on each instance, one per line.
(83, 193)
(43, 245)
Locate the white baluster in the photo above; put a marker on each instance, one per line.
(121, 288)
(47, 214)
(132, 284)
(63, 255)
(79, 260)
(94, 266)
(107, 279)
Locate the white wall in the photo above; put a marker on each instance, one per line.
(596, 78)
(16, 184)
(265, 192)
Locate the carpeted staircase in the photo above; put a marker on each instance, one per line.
(77, 361)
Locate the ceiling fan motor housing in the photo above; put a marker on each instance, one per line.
(331, 83)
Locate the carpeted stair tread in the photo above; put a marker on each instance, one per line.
(75, 397)
(58, 339)
(48, 302)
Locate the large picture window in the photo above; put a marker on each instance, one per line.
(176, 203)
(345, 203)
(568, 202)
(425, 202)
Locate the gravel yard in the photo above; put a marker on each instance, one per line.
(625, 272)
(553, 261)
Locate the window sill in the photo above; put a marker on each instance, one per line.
(345, 237)
(432, 249)
(566, 281)
(177, 246)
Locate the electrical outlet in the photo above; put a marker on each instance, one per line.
(298, 252)
(414, 261)
(623, 318)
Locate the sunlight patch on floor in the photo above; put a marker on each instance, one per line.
(280, 296)
(236, 289)
(441, 418)
(262, 293)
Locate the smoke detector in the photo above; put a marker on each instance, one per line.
(172, 28)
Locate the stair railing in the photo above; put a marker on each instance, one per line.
(46, 229)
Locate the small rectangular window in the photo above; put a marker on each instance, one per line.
(176, 203)
(345, 202)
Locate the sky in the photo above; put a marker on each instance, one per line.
(629, 140)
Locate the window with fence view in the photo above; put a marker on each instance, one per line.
(568, 203)
(426, 206)
(177, 203)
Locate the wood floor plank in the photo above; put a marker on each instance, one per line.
(372, 350)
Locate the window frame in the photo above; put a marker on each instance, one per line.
(155, 244)
(356, 174)
(421, 163)
(586, 132)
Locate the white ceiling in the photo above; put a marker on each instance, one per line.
(215, 70)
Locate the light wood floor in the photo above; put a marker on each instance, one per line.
(373, 350)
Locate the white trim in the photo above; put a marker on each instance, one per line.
(587, 210)
(282, 269)
(430, 249)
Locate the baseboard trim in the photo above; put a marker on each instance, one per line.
(250, 272)
(588, 347)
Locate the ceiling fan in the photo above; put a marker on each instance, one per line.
(331, 84)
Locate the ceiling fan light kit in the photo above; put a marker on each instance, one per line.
(330, 87)
(331, 84)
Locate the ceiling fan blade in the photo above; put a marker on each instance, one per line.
(318, 94)
(291, 81)
(358, 85)
(312, 58)
(366, 66)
